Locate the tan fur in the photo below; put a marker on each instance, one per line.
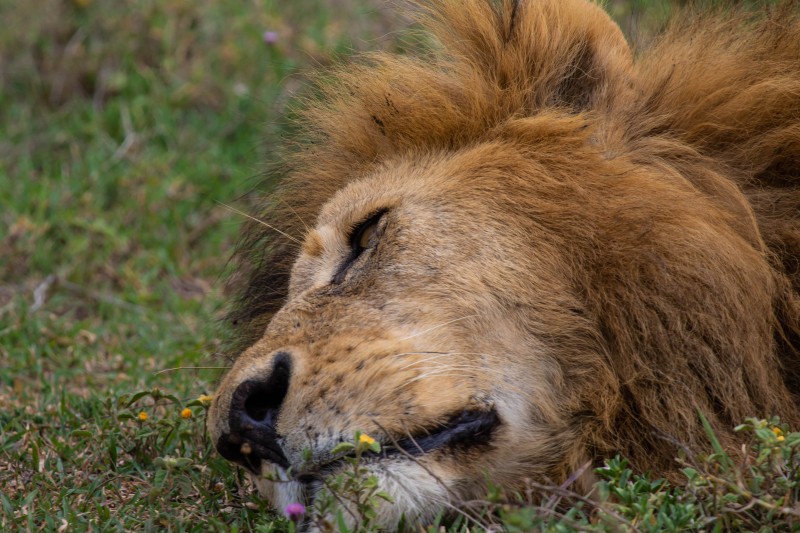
(597, 247)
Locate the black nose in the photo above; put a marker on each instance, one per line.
(252, 416)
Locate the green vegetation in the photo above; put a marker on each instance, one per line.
(756, 491)
(125, 128)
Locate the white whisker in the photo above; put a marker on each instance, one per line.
(437, 327)
(439, 355)
(437, 373)
(191, 368)
(458, 369)
(416, 353)
(260, 222)
(425, 360)
(303, 222)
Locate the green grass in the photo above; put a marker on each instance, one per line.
(124, 128)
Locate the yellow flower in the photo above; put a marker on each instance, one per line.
(365, 439)
(186, 413)
(205, 399)
(142, 416)
(777, 431)
(781, 438)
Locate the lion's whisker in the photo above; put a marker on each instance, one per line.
(425, 360)
(439, 355)
(439, 373)
(464, 370)
(437, 327)
(191, 368)
(404, 354)
(259, 221)
(303, 222)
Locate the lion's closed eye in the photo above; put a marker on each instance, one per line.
(362, 236)
(365, 234)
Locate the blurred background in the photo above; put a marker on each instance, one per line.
(126, 127)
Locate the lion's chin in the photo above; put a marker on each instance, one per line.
(275, 486)
(418, 494)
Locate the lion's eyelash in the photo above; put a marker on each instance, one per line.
(353, 235)
(373, 217)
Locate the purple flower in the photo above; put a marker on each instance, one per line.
(270, 37)
(294, 511)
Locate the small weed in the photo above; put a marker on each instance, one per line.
(351, 498)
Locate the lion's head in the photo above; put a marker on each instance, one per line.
(512, 257)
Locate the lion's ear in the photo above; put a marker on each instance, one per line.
(547, 52)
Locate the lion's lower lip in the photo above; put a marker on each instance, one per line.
(465, 429)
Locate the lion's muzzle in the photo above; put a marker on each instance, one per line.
(252, 417)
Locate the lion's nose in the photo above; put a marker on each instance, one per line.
(252, 417)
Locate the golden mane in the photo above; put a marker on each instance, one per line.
(713, 107)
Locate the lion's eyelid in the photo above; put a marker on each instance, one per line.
(370, 222)
(367, 227)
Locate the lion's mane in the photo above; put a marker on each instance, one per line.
(712, 108)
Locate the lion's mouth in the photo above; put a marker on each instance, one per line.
(466, 429)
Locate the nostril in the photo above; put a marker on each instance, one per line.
(263, 402)
(259, 404)
(260, 400)
(253, 414)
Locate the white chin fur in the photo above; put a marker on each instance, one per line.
(417, 494)
(278, 490)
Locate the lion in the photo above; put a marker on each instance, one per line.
(522, 252)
